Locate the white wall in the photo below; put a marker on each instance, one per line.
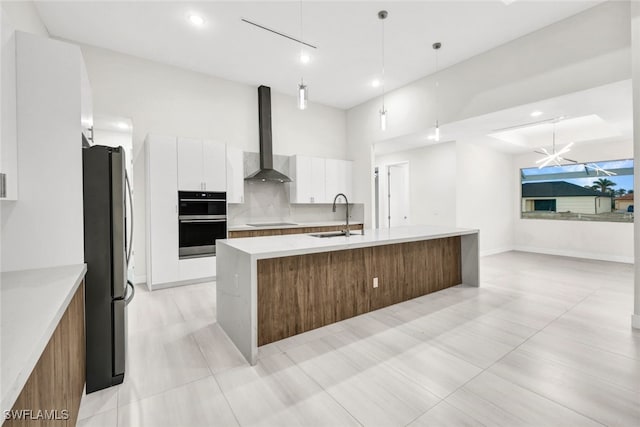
(461, 184)
(25, 17)
(432, 182)
(598, 240)
(584, 51)
(167, 100)
(485, 197)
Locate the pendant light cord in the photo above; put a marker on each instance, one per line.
(437, 89)
(301, 47)
(383, 77)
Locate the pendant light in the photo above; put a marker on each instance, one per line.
(303, 92)
(382, 15)
(436, 47)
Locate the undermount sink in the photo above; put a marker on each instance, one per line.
(272, 224)
(335, 234)
(330, 234)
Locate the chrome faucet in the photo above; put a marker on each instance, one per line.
(347, 233)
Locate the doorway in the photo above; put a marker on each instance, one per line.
(392, 195)
(398, 194)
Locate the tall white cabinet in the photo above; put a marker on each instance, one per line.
(162, 210)
(201, 165)
(235, 175)
(170, 167)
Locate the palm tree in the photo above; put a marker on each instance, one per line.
(619, 192)
(604, 185)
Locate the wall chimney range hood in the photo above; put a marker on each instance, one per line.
(266, 171)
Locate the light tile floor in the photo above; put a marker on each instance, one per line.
(544, 341)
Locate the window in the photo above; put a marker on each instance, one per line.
(596, 191)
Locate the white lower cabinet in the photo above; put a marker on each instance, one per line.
(197, 268)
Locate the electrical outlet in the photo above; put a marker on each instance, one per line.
(375, 282)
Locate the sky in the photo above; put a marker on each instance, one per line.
(622, 181)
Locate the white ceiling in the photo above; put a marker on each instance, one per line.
(347, 34)
(575, 129)
(603, 113)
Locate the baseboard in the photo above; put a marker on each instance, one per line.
(159, 286)
(576, 254)
(635, 321)
(495, 251)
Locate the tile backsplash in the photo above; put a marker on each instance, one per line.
(269, 201)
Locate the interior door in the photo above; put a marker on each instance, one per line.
(398, 194)
(190, 161)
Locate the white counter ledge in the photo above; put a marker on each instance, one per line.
(238, 275)
(32, 303)
(299, 244)
(275, 225)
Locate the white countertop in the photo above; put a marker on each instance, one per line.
(32, 303)
(244, 227)
(298, 244)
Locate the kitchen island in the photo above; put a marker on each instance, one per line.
(270, 288)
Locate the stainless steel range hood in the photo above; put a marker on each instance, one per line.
(266, 171)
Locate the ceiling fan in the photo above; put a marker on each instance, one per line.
(554, 157)
(598, 169)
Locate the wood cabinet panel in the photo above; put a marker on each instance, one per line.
(57, 380)
(303, 292)
(285, 231)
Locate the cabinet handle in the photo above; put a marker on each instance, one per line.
(3, 185)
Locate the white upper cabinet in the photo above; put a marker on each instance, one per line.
(162, 210)
(201, 165)
(235, 175)
(214, 175)
(190, 164)
(317, 180)
(8, 124)
(338, 179)
(307, 174)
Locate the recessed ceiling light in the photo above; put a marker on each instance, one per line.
(375, 83)
(196, 20)
(305, 58)
(536, 114)
(122, 125)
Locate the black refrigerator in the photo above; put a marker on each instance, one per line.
(107, 249)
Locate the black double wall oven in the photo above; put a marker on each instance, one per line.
(202, 219)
